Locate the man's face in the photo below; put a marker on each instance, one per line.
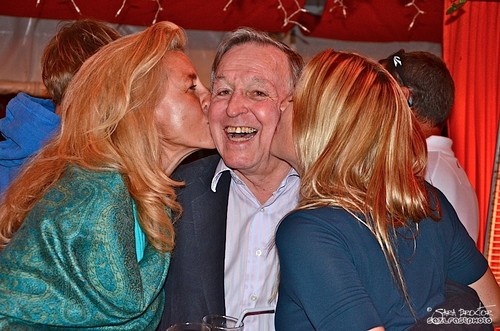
(251, 85)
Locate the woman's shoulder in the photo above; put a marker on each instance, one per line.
(85, 191)
(331, 220)
(80, 173)
(80, 179)
(327, 215)
(447, 214)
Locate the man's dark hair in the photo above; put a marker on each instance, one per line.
(430, 84)
(74, 43)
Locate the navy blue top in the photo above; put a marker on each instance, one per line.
(334, 275)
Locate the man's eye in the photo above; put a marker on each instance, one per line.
(222, 93)
(193, 87)
(258, 94)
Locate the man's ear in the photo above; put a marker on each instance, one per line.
(285, 103)
(407, 94)
(406, 91)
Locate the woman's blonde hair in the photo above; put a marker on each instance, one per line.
(359, 147)
(108, 124)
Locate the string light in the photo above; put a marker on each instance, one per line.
(339, 3)
(121, 8)
(76, 7)
(72, 1)
(160, 8)
(288, 18)
(419, 11)
(227, 5)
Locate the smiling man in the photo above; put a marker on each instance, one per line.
(224, 261)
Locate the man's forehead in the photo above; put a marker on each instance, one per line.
(255, 56)
(248, 77)
(253, 68)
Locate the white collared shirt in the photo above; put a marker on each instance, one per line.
(251, 263)
(445, 173)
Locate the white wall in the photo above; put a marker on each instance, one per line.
(22, 41)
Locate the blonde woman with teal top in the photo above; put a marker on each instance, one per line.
(86, 228)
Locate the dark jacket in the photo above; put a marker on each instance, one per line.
(195, 281)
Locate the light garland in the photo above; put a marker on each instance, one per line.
(288, 18)
(227, 5)
(72, 1)
(158, 10)
(419, 11)
(339, 3)
(76, 7)
(121, 8)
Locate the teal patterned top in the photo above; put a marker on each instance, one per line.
(73, 262)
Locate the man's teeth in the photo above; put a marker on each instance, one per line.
(240, 129)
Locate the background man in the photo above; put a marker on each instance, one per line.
(430, 91)
(30, 121)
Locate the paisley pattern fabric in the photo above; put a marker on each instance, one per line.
(73, 262)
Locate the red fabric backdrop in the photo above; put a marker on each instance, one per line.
(190, 14)
(373, 20)
(380, 20)
(471, 49)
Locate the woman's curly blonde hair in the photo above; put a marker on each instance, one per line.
(108, 124)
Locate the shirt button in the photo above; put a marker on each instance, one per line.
(253, 298)
(261, 210)
(258, 252)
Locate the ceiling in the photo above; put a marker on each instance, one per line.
(365, 20)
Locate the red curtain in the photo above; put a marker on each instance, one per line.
(471, 49)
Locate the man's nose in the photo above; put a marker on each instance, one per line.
(237, 105)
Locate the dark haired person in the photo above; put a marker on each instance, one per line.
(31, 121)
(429, 88)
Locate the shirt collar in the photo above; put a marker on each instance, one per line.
(221, 167)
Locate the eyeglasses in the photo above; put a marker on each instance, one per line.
(396, 62)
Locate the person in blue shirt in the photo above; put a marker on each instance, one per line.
(31, 121)
(371, 245)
